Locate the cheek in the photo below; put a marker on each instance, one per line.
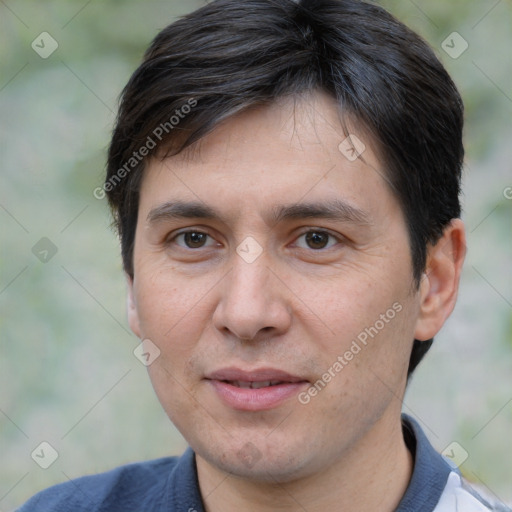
(173, 311)
(370, 324)
(345, 308)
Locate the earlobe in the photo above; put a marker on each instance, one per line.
(440, 282)
(131, 307)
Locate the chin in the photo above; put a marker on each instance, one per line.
(257, 462)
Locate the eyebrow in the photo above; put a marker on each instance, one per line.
(334, 209)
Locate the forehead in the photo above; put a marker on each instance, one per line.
(291, 151)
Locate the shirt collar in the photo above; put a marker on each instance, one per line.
(427, 483)
(430, 472)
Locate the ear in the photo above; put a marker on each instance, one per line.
(131, 307)
(440, 282)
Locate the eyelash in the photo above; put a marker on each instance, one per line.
(311, 230)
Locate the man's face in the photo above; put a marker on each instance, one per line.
(249, 295)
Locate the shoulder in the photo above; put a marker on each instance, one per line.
(132, 487)
(436, 483)
(458, 494)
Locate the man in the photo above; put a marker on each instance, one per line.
(284, 176)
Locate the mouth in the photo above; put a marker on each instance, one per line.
(255, 390)
(254, 384)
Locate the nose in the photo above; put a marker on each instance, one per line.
(253, 304)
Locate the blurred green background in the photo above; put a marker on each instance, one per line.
(68, 375)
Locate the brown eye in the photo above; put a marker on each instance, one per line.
(191, 239)
(317, 239)
(194, 239)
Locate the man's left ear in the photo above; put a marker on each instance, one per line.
(440, 282)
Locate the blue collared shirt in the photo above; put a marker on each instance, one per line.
(171, 484)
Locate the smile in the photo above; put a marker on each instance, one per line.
(254, 385)
(254, 390)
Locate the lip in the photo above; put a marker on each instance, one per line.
(258, 399)
(257, 375)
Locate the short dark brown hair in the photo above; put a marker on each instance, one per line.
(231, 55)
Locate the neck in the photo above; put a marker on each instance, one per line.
(374, 475)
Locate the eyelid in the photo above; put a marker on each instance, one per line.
(320, 230)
